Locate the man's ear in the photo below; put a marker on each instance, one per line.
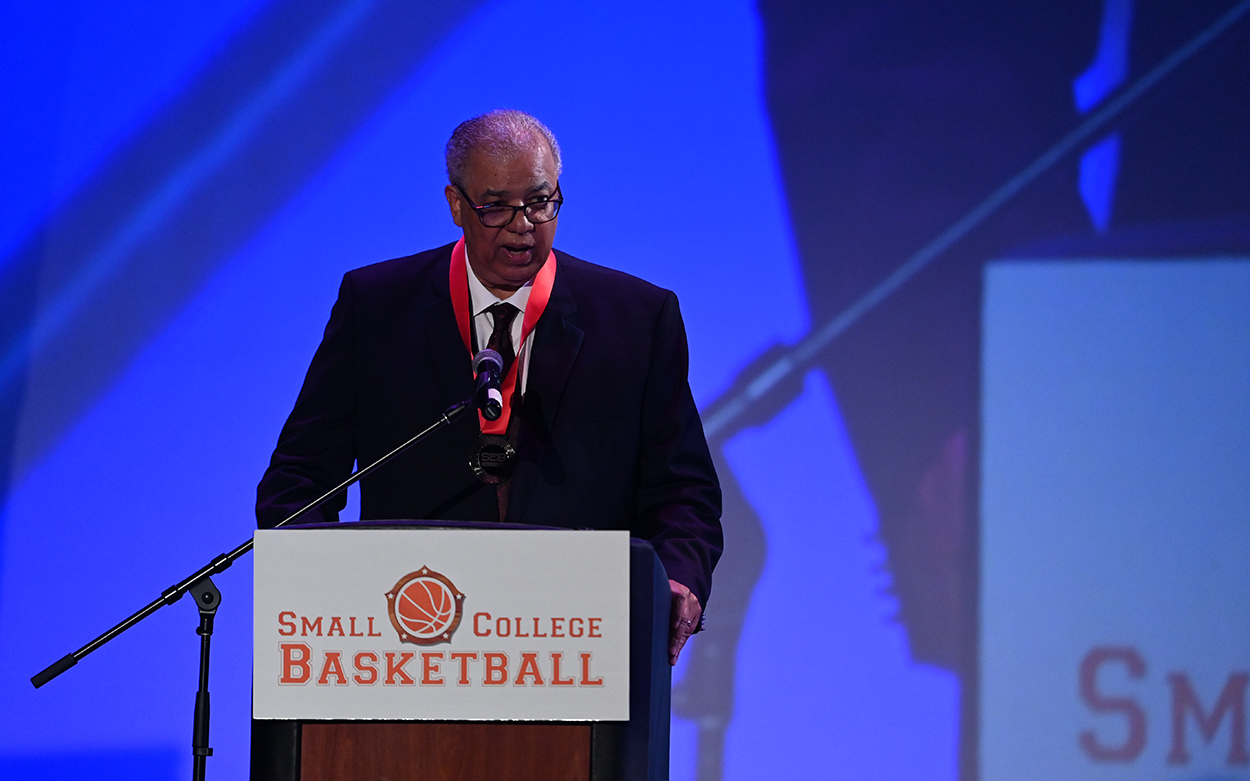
(454, 202)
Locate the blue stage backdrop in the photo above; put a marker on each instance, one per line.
(183, 185)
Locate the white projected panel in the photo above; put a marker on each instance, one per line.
(1115, 584)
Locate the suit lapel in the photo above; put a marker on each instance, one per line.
(449, 357)
(557, 340)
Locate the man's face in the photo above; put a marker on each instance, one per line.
(506, 258)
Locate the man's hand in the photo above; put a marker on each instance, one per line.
(683, 620)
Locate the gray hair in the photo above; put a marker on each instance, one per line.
(500, 134)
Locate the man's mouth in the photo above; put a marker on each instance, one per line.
(518, 251)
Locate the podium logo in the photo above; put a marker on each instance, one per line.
(425, 607)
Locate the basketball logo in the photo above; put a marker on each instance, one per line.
(425, 607)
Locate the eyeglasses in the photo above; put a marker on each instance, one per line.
(499, 216)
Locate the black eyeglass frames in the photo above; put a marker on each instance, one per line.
(499, 216)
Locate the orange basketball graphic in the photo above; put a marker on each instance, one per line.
(425, 607)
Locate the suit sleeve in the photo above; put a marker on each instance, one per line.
(317, 446)
(679, 498)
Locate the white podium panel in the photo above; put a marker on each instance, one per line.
(443, 624)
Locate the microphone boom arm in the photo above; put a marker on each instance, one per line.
(222, 562)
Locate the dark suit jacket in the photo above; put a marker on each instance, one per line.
(609, 436)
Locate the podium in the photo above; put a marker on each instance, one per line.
(508, 745)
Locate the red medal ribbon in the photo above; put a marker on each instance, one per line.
(540, 294)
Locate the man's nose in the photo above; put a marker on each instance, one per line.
(520, 223)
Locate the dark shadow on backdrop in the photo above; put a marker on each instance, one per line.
(891, 123)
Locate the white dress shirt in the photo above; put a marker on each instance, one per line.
(480, 299)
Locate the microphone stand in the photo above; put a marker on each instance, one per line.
(207, 597)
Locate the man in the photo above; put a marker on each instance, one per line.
(599, 429)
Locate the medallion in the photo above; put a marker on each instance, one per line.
(492, 460)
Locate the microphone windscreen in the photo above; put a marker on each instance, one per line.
(487, 356)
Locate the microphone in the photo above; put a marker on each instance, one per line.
(488, 366)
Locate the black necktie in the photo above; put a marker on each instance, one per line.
(501, 334)
(501, 342)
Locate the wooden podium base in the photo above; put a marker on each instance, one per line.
(423, 751)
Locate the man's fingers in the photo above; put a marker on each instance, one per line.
(684, 620)
(675, 645)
